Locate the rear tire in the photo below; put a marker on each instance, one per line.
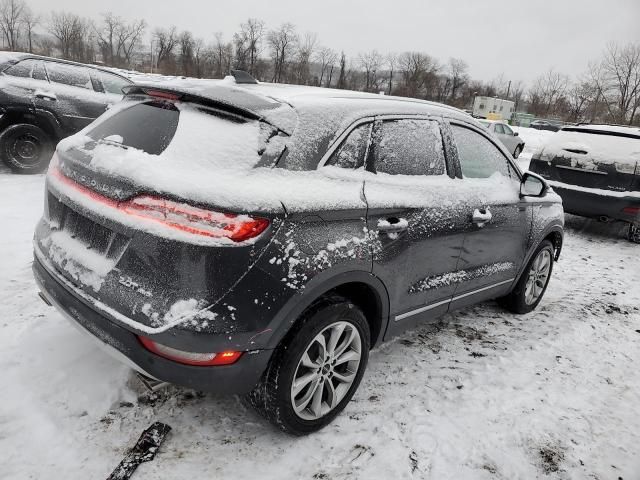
(533, 282)
(318, 374)
(25, 148)
(517, 151)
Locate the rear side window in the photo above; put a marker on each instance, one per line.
(351, 152)
(409, 147)
(21, 69)
(479, 158)
(148, 126)
(69, 75)
(111, 83)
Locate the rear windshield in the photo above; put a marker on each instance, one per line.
(148, 126)
(153, 142)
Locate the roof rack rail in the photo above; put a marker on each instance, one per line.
(243, 77)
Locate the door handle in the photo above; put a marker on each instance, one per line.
(392, 225)
(45, 95)
(481, 216)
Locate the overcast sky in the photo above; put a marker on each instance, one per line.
(520, 38)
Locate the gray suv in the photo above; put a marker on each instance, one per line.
(260, 239)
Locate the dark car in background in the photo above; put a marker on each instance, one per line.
(596, 171)
(43, 100)
(260, 239)
(551, 125)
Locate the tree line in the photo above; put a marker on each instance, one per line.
(608, 90)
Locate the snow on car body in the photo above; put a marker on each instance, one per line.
(204, 230)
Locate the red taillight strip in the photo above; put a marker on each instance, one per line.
(143, 206)
(190, 358)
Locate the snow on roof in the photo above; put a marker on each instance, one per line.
(609, 128)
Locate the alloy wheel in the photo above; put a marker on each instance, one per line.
(538, 277)
(326, 370)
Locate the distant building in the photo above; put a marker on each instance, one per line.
(493, 108)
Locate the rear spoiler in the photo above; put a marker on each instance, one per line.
(218, 98)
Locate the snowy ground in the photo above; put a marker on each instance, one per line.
(483, 395)
(533, 141)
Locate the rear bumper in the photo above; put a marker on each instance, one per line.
(123, 344)
(595, 205)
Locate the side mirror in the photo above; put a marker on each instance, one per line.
(515, 134)
(533, 185)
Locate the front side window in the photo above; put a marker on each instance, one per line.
(507, 130)
(410, 147)
(351, 152)
(69, 75)
(498, 128)
(479, 158)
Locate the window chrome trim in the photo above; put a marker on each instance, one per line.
(402, 316)
(597, 172)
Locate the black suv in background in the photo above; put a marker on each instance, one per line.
(43, 100)
(261, 239)
(596, 171)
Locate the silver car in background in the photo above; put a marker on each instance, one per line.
(508, 137)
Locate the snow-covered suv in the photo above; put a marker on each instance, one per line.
(261, 239)
(596, 171)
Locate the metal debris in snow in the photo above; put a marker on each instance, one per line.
(144, 451)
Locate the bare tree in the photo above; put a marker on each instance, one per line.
(107, 36)
(306, 47)
(74, 35)
(342, 78)
(29, 21)
(11, 12)
(325, 57)
(457, 70)
(370, 62)
(221, 54)
(619, 81)
(392, 62)
(282, 43)
(166, 41)
(419, 73)
(547, 91)
(186, 44)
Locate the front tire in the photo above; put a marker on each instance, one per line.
(316, 370)
(533, 282)
(633, 233)
(25, 148)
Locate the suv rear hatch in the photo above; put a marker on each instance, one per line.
(604, 158)
(140, 215)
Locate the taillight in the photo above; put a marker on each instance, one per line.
(190, 358)
(177, 215)
(195, 220)
(631, 210)
(161, 94)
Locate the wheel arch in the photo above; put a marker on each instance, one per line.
(40, 118)
(362, 288)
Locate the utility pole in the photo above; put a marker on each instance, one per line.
(508, 90)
